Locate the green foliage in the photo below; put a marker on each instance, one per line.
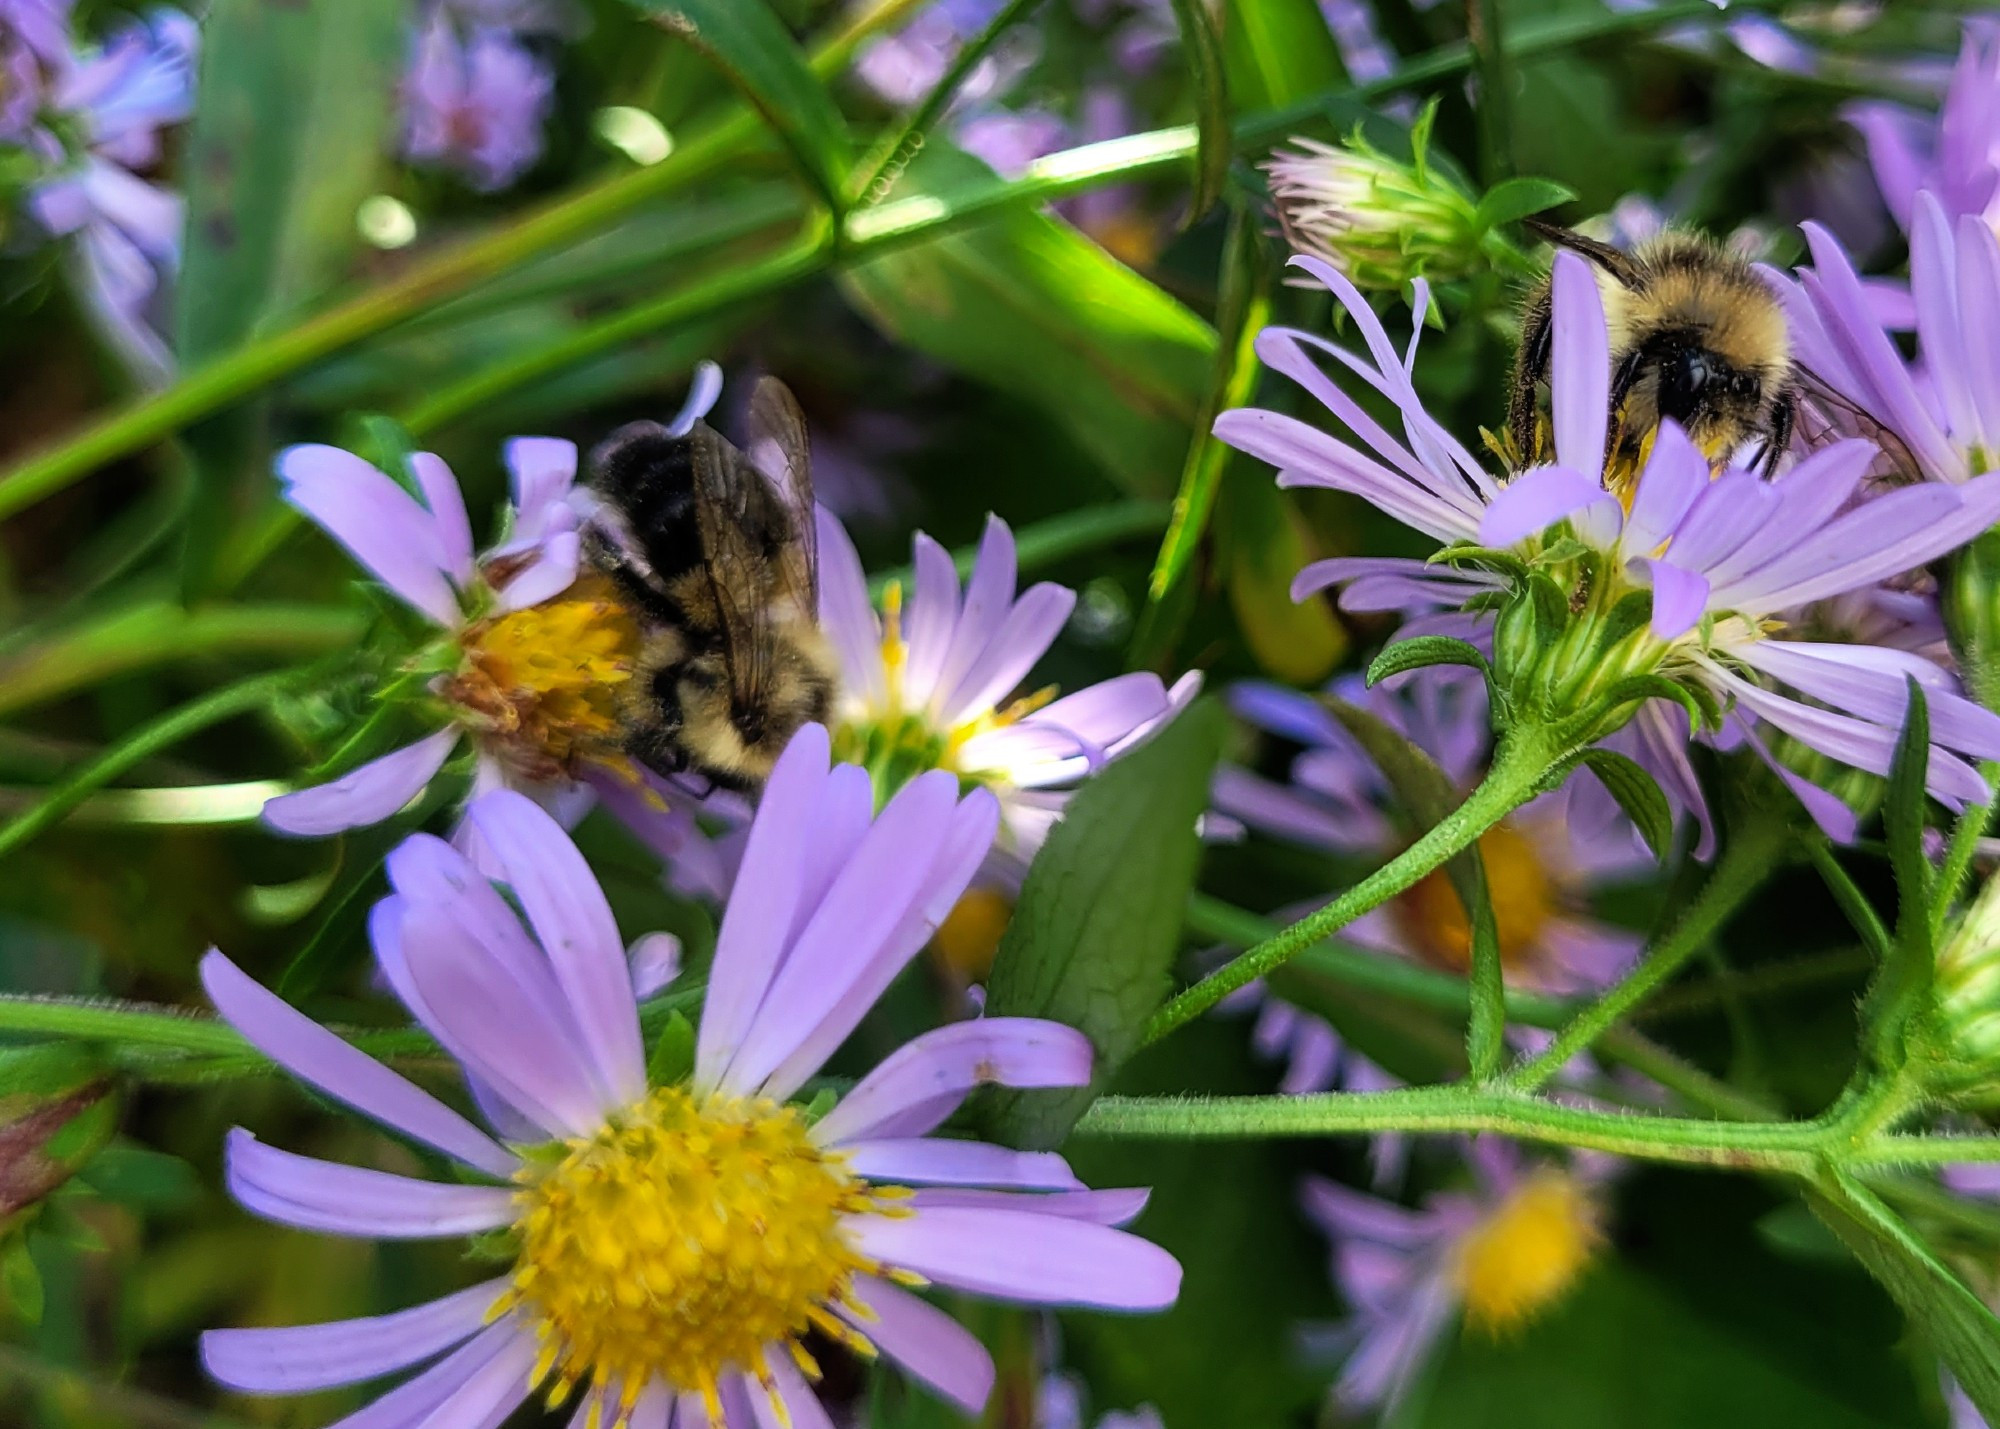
(1093, 937)
(1638, 794)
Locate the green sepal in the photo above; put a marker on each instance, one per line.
(1423, 651)
(671, 1060)
(1638, 794)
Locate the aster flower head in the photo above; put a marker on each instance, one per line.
(1624, 585)
(750, 1222)
(1491, 1257)
(530, 645)
(930, 684)
(474, 102)
(105, 115)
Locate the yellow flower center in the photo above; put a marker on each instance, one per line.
(1525, 1255)
(1525, 901)
(970, 934)
(541, 685)
(684, 1241)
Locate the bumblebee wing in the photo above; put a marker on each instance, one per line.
(1614, 261)
(778, 450)
(735, 510)
(1817, 428)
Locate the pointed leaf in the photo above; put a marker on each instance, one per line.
(1517, 198)
(1903, 815)
(1424, 650)
(1093, 938)
(748, 42)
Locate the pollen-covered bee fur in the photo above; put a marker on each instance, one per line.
(1696, 336)
(716, 554)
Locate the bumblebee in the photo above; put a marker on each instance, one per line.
(716, 552)
(1696, 336)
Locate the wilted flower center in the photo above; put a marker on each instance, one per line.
(1524, 901)
(895, 742)
(1527, 1252)
(684, 1241)
(542, 683)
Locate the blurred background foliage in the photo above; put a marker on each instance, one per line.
(1048, 363)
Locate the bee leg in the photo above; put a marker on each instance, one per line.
(1531, 362)
(604, 555)
(1778, 435)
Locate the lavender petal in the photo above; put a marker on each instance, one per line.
(927, 1343)
(1020, 1256)
(300, 1358)
(363, 796)
(350, 1200)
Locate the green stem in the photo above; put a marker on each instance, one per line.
(1745, 863)
(1782, 1146)
(1496, 133)
(895, 155)
(440, 276)
(1519, 764)
(156, 632)
(1925, 1150)
(137, 747)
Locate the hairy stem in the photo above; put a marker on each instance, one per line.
(1519, 765)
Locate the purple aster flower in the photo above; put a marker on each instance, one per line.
(1723, 556)
(127, 231)
(1541, 871)
(531, 646)
(750, 1221)
(930, 684)
(1059, 1405)
(34, 53)
(1494, 1255)
(1944, 414)
(475, 102)
(1955, 156)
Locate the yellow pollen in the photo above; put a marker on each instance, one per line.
(1527, 1253)
(1525, 901)
(684, 1241)
(541, 684)
(970, 934)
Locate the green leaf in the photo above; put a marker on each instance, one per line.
(1243, 309)
(1638, 794)
(672, 1058)
(1515, 199)
(291, 124)
(1278, 52)
(1423, 790)
(1261, 542)
(1032, 307)
(1203, 48)
(1093, 937)
(20, 1282)
(750, 44)
(1965, 1331)
(1903, 815)
(1422, 651)
(58, 1106)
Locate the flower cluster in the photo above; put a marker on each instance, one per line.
(675, 1239)
(1675, 580)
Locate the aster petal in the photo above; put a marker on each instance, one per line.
(929, 619)
(447, 507)
(851, 926)
(1579, 365)
(1535, 500)
(855, 974)
(919, 1160)
(553, 571)
(1834, 817)
(1680, 598)
(317, 1057)
(573, 924)
(1941, 326)
(1291, 714)
(434, 1395)
(703, 389)
(1283, 811)
(1871, 683)
(380, 524)
(1022, 639)
(839, 823)
(1115, 1207)
(922, 1082)
(752, 940)
(350, 1200)
(362, 796)
(846, 614)
(1391, 583)
(926, 1342)
(1306, 456)
(1979, 300)
(1343, 1212)
(989, 599)
(789, 1402)
(1675, 474)
(540, 473)
(1018, 1255)
(296, 1359)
